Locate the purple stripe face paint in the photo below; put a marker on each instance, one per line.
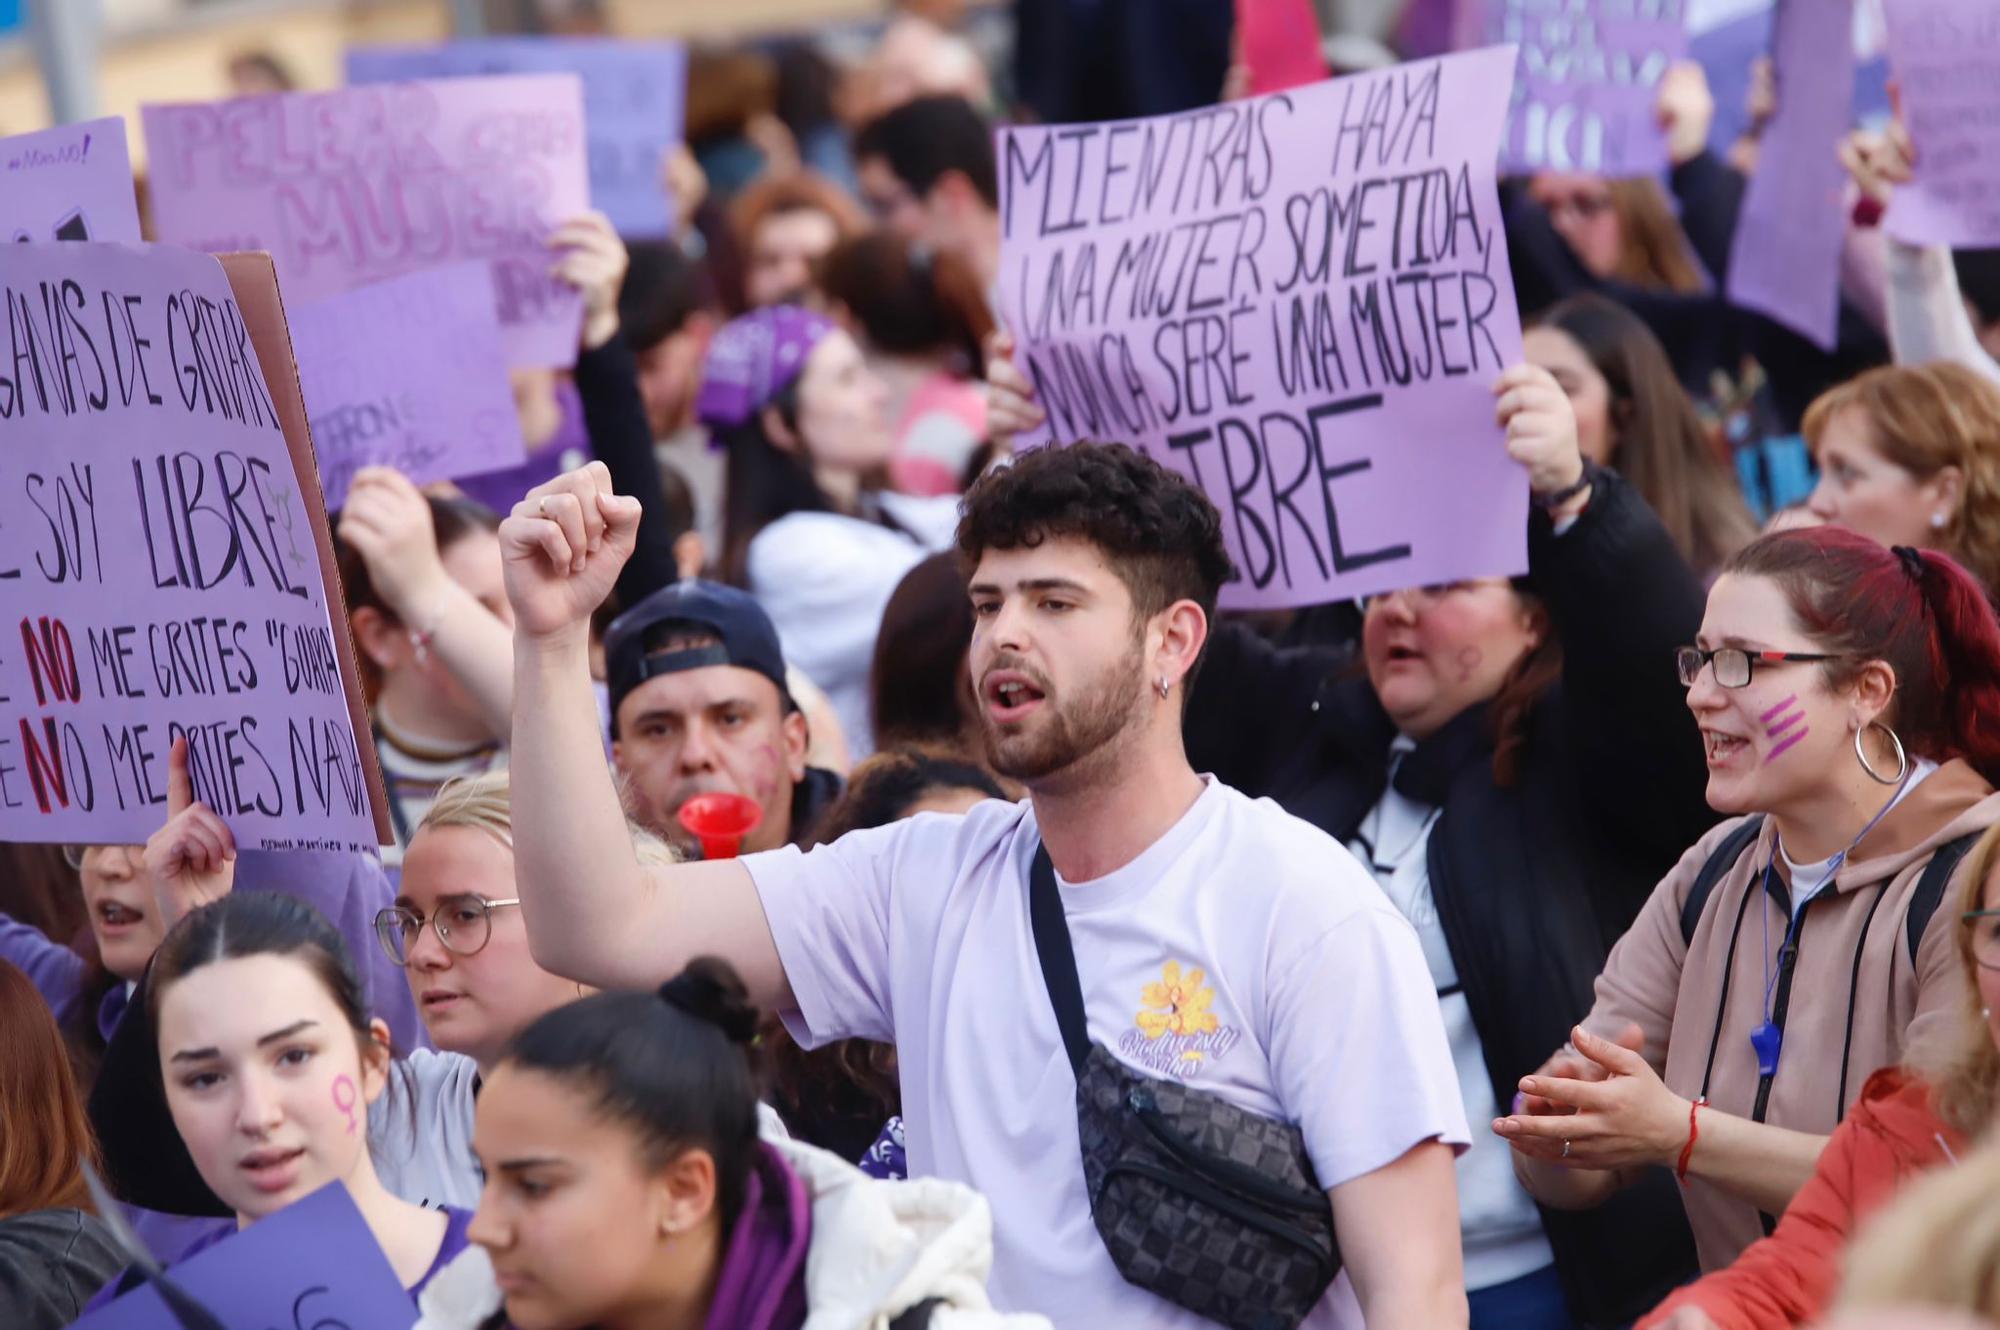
(1786, 729)
(1780, 709)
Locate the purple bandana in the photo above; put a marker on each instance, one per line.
(755, 358)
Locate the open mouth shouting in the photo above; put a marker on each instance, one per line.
(115, 918)
(1722, 749)
(1011, 696)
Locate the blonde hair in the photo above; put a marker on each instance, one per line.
(1925, 418)
(1965, 1080)
(484, 803)
(1937, 1245)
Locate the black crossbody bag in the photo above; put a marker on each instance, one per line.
(1205, 1204)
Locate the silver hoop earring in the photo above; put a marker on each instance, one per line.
(1164, 688)
(1861, 754)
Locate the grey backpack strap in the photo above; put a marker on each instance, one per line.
(1719, 863)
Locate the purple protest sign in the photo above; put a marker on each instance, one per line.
(73, 182)
(407, 373)
(634, 94)
(313, 1265)
(352, 187)
(1590, 69)
(1785, 260)
(1946, 55)
(1301, 303)
(159, 568)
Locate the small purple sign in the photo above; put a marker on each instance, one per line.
(633, 98)
(314, 1265)
(1785, 261)
(1301, 303)
(407, 373)
(352, 187)
(1946, 55)
(73, 182)
(1590, 71)
(159, 572)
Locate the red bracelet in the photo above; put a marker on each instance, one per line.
(1694, 1131)
(1867, 212)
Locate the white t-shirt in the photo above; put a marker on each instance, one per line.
(1809, 880)
(1244, 951)
(825, 579)
(1498, 1221)
(420, 1131)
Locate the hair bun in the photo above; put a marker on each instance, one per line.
(710, 990)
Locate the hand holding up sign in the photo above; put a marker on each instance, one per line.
(563, 547)
(1878, 160)
(1541, 434)
(388, 523)
(1686, 110)
(192, 859)
(593, 260)
(1010, 398)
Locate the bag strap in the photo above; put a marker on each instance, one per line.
(1719, 863)
(1045, 917)
(1930, 888)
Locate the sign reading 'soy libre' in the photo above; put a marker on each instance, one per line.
(162, 571)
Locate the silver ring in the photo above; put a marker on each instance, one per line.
(1565, 1149)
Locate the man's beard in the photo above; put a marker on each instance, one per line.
(1070, 732)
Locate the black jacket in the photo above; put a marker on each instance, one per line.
(1532, 883)
(52, 1262)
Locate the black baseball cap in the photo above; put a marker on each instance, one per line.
(746, 638)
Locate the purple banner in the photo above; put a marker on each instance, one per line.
(158, 569)
(1946, 56)
(314, 1265)
(352, 187)
(73, 182)
(1299, 302)
(634, 94)
(1785, 261)
(407, 373)
(1584, 95)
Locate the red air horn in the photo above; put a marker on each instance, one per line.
(721, 821)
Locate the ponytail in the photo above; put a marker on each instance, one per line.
(672, 1065)
(1965, 656)
(1919, 612)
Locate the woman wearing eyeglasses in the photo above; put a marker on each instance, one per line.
(1848, 697)
(1908, 1120)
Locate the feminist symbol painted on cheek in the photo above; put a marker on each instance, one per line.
(345, 1098)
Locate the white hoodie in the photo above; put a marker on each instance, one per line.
(878, 1249)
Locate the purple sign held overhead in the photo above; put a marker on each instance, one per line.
(351, 187)
(73, 182)
(1785, 260)
(1301, 303)
(634, 94)
(1946, 54)
(159, 575)
(313, 1265)
(1590, 70)
(407, 373)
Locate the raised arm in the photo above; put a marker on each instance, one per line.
(594, 260)
(593, 913)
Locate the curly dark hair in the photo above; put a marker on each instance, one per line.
(1160, 534)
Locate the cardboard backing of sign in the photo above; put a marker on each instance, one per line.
(254, 280)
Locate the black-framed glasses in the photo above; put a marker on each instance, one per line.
(464, 924)
(1985, 926)
(1734, 665)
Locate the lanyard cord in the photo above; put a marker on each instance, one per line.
(1799, 913)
